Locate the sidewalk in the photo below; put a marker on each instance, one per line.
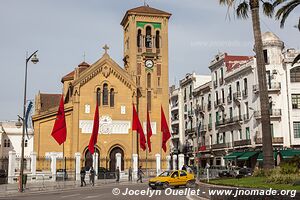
(9, 190)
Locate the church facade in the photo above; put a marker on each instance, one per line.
(142, 81)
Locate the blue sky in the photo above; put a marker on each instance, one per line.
(62, 30)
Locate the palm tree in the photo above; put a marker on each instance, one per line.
(242, 9)
(284, 12)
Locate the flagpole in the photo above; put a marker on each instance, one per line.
(137, 135)
(64, 163)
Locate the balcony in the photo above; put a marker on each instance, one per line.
(237, 96)
(220, 123)
(245, 93)
(246, 117)
(190, 113)
(209, 106)
(221, 80)
(174, 120)
(272, 87)
(233, 120)
(190, 131)
(220, 146)
(242, 143)
(209, 126)
(275, 140)
(215, 84)
(229, 99)
(174, 106)
(200, 109)
(203, 128)
(274, 113)
(175, 136)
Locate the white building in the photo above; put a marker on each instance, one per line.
(11, 139)
(228, 107)
(235, 114)
(183, 120)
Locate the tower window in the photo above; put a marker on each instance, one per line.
(8, 143)
(139, 38)
(148, 41)
(5, 143)
(149, 80)
(98, 96)
(149, 100)
(157, 39)
(105, 94)
(266, 56)
(158, 81)
(112, 98)
(26, 143)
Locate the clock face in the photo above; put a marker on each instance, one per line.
(149, 63)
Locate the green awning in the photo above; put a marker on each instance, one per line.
(233, 155)
(289, 153)
(247, 155)
(261, 156)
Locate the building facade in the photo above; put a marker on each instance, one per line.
(11, 140)
(143, 81)
(227, 108)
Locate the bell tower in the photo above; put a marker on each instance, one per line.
(146, 60)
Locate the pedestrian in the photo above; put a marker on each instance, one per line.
(24, 181)
(92, 176)
(130, 174)
(183, 168)
(140, 173)
(118, 175)
(82, 177)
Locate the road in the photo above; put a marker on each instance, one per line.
(124, 191)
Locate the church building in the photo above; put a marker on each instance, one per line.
(143, 81)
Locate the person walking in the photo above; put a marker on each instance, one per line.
(82, 177)
(130, 174)
(140, 173)
(92, 176)
(118, 175)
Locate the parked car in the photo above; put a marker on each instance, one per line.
(246, 171)
(172, 179)
(61, 174)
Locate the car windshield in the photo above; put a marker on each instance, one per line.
(165, 174)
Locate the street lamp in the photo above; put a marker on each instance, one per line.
(34, 60)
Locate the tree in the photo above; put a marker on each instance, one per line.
(283, 13)
(242, 9)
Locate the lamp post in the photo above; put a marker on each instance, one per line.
(34, 60)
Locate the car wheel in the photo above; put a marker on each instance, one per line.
(190, 184)
(166, 185)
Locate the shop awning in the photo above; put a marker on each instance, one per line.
(233, 155)
(247, 155)
(261, 156)
(289, 153)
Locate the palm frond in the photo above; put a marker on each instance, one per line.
(283, 13)
(242, 10)
(228, 3)
(268, 9)
(278, 2)
(296, 59)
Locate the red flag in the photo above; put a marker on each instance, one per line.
(165, 130)
(136, 126)
(59, 131)
(149, 132)
(94, 136)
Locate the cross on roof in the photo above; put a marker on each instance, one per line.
(105, 48)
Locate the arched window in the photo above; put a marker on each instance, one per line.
(295, 74)
(157, 39)
(139, 38)
(149, 80)
(98, 96)
(112, 98)
(105, 95)
(5, 144)
(148, 41)
(26, 143)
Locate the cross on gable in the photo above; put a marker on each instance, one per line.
(105, 48)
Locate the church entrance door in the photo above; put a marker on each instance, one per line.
(88, 159)
(112, 158)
